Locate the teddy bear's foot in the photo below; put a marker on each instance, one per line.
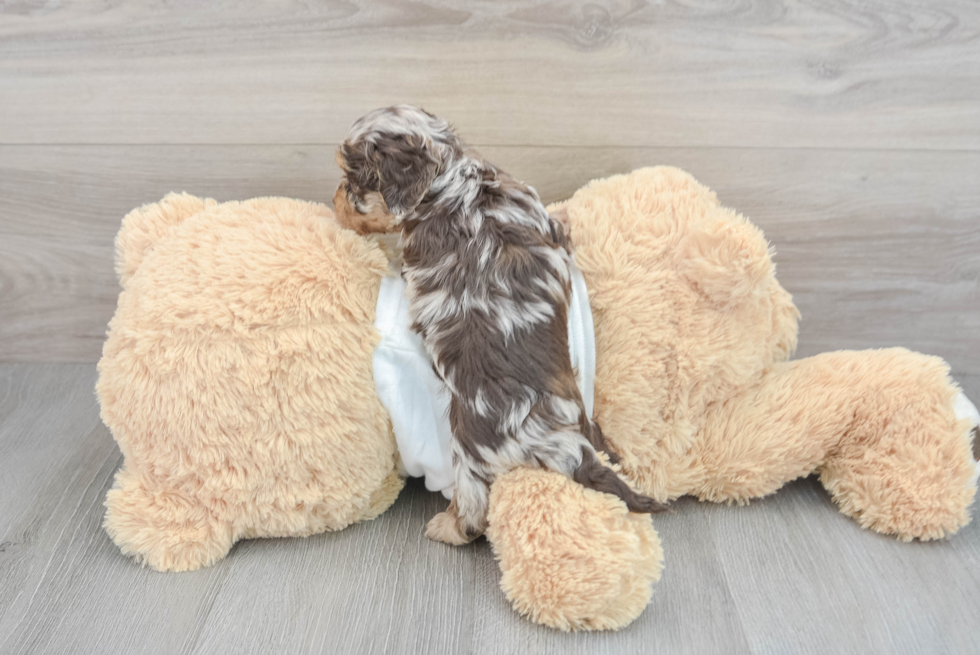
(165, 530)
(906, 466)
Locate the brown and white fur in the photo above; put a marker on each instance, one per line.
(487, 272)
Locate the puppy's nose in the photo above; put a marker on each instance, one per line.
(342, 209)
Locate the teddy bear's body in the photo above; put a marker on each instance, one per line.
(237, 380)
(713, 409)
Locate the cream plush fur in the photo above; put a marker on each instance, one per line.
(237, 380)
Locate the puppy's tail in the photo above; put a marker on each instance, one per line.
(593, 474)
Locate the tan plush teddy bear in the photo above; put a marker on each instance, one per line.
(241, 380)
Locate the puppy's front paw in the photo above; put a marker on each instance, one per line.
(445, 527)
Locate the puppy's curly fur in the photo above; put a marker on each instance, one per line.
(488, 277)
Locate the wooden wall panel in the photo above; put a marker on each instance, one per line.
(773, 73)
(879, 248)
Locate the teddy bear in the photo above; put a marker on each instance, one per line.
(237, 378)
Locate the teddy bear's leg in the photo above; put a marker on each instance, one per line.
(165, 529)
(572, 558)
(879, 426)
(383, 497)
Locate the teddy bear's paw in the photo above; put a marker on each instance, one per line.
(445, 527)
(164, 528)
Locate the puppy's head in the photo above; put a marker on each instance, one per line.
(389, 160)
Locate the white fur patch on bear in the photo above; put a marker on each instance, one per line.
(966, 409)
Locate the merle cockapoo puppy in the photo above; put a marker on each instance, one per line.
(487, 272)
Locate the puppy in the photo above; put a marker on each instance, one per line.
(487, 272)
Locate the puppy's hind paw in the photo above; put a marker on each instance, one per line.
(445, 527)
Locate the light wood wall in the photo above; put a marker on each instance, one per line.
(849, 131)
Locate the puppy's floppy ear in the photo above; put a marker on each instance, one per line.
(406, 166)
(399, 166)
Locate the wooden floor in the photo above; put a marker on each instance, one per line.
(849, 130)
(787, 574)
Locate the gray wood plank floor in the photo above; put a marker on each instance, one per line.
(787, 574)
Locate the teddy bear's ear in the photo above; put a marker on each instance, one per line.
(144, 226)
